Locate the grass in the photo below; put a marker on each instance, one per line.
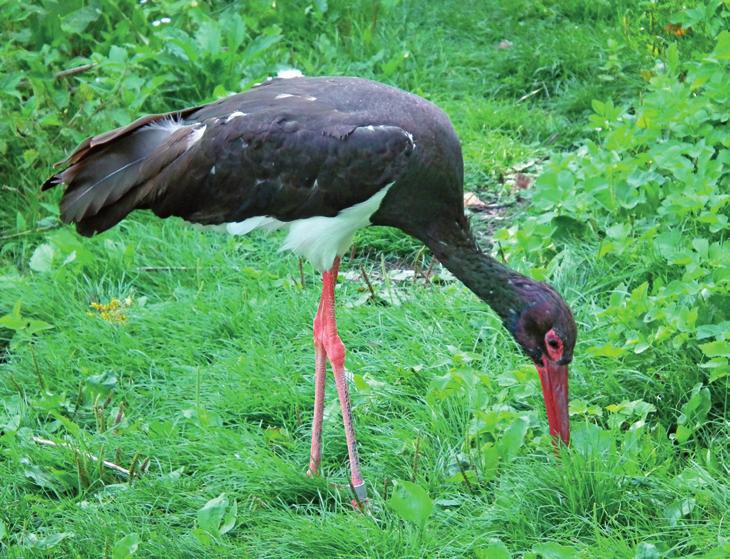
(202, 377)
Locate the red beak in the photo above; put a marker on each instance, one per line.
(554, 379)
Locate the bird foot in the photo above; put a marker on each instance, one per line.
(362, 506)
(360, 502)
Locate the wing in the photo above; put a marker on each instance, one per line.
(258, 153)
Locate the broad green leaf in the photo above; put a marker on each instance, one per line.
(722, 49)
(260, 44)
(647, 551)
(78, 21)
(47, 542)
(495, 549)
(716, 349)
(678, 510)
(42, 258)
(719, 330)
(40, 477)
(126, 547)
(212, 513)
(411, 502)
(491, 456)
(552, 550)
(102, 383)
(208, 38)
(202, 536)
(513, 438)
(229, 521)
(606, 350)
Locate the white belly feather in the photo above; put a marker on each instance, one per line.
(318, 239)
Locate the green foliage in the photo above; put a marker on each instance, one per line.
(411, 502)
(653, 197)
(216, 518)
(126, 547)
(493, 550)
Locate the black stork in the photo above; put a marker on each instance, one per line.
(323, 157)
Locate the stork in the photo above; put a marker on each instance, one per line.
(322, 157)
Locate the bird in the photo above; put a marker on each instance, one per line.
(321, 157)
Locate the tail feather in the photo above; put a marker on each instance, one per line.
(112, 174)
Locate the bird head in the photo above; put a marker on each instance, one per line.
(545, 329)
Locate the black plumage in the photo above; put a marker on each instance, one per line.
(284, 149)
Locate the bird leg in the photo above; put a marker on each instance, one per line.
(329, 346)
(320, 372)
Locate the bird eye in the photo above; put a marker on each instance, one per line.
(553, 343)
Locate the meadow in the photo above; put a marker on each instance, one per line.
(156, 381)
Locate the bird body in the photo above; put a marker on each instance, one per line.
(322, 157)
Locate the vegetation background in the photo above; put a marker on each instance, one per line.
(597, 147)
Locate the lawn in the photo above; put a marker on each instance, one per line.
(595, 136)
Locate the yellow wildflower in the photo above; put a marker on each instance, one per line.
(113, 311)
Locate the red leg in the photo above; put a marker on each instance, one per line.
(320, 373)
(326, 337)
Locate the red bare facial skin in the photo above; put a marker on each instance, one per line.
(554, 380)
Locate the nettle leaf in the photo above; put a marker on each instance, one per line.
(208, 38)
(411, 502)
(262, 43)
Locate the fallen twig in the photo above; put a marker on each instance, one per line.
(466, 478)
(301, 271)
(528, 95)
(427, 275)
(367, 282)
(67, 73)
(164, 268)
(27, 232)
(111, 465)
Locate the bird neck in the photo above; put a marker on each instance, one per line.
(493, 282)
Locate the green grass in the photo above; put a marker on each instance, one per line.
(208, 379)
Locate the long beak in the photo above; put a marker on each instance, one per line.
(554, 379)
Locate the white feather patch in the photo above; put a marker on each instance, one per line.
(234, 114)
(195, 135)
(321, 239)
(171, 126)
(289, 74)
(259, 222)
(318, 239)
